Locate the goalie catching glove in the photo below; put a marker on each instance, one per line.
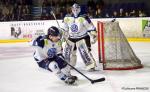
(93, 36)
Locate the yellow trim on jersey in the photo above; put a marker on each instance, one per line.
(60, 43)
(45, 42)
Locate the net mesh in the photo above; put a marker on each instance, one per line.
(117, 52)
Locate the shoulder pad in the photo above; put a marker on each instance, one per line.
(40, 41)
(86, 17)
(67, 18)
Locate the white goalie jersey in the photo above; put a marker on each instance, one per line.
(77, 27)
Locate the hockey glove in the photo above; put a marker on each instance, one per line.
(61, 56)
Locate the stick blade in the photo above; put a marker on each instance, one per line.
(98, 80)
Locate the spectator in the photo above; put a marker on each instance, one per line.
(28, 12)
(91, 4)
(24, 14)
(15, 12)
(90, 12)
(115, 14)
(100, 3)
(133, 13)
(45, 3)
(121, 12)
(45, 17)
(126, 14)
(5, 14)
(98, 13)
(141, 14)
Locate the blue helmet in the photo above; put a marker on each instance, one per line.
(53, 31)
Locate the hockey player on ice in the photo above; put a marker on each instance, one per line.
(79, 33)
(48, 55)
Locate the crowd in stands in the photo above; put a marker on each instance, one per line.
(23, 10)
(13, 10)
(125, 10)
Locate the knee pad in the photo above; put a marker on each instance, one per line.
(68, 50)
(44, 64)
(61, 63)
(54, 67)
(56, 70)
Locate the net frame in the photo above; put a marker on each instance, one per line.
(120, 63)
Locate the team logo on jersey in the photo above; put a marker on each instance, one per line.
(51, 52)
(74, 28)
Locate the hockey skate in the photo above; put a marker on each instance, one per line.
(70, 80)
(91, 70)
(74, 77)
(91, 67)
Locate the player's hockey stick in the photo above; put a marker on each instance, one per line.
(52, 13)
(91, 80)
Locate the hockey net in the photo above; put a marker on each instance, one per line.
(113, 48)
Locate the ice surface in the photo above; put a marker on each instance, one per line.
(20, 73)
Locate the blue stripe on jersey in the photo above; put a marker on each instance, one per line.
(87, 18)
(91, 30)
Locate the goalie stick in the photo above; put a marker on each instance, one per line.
(91, 80)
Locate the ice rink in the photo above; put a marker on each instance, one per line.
(20, 73)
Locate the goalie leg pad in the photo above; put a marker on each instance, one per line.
(68, 50)
(73, 59)
(86, 55)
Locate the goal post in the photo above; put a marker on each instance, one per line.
(114, 51)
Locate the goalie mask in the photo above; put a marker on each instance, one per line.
(76, 10)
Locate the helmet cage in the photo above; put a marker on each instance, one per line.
(76, 9)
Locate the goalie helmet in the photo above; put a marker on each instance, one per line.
(76, 9)
(53, 31)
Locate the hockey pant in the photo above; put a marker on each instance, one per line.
(70, 53)
(57, 66)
